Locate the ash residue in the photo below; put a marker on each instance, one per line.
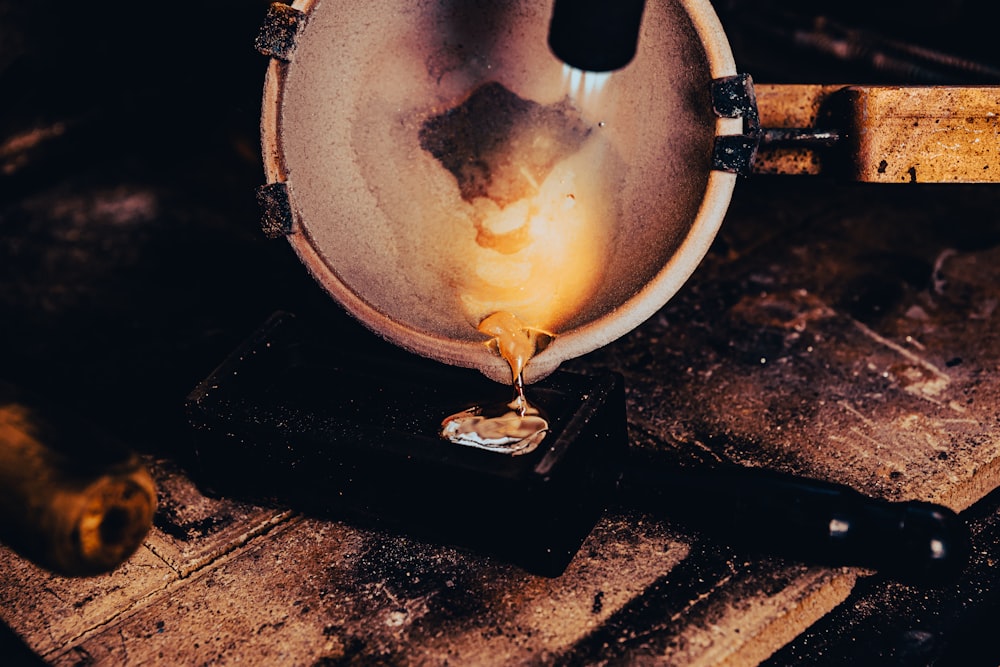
(500, 146)
(437, 576)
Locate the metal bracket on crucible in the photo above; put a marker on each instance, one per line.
(291, 417)
(734, 97)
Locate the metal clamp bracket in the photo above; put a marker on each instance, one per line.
(733, 97)
(276, 217)
(280, 30)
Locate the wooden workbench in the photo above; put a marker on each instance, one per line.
(842, 332)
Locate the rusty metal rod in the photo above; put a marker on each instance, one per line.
(799, 137)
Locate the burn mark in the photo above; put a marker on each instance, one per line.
(501, 146)
(642, 622)
(871, 295)
(598, 605)
(882, 166)
(168, 519)
(912, 171)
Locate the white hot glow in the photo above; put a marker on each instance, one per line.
(584, 87)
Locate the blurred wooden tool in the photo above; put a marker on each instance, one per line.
(70, 500)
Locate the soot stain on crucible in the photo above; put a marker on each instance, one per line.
(501, 146)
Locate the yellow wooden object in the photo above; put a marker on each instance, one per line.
(925, 135)
(889, 134)
(76, 511)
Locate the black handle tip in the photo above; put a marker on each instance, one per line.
(933, 544)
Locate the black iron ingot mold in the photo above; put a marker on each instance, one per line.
(292, 417)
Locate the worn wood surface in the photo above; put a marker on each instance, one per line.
(932, 134)
(836, 331)
(319, 592)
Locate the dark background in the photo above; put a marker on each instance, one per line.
(131, 260)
